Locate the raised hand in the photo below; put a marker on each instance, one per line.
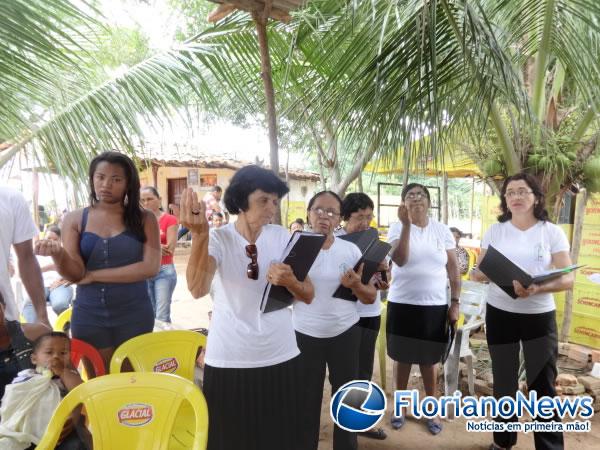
(403, 215)
(192, 213)
(47, 247)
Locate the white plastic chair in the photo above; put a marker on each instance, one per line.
(472, 307)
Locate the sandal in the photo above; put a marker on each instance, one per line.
(375, 433)
(398, 422)
(434, 427)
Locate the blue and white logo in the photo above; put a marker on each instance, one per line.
(358, 405)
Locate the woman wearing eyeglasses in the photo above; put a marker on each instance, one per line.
(251, 371)
(326, 330)
(424, 259)
(526, 237)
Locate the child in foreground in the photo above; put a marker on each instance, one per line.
(32, 397)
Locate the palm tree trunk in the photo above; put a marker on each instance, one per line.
(541, 62)
(265, 65)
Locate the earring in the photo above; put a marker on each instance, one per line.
(125, 199)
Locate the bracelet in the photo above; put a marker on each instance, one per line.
(455, 300)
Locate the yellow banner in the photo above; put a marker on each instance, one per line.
(590, 273)
(586, 300)
(592, 211)
(584, 329)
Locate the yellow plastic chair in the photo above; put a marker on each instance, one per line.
(170, 351)
(63, 321)
(135, 411)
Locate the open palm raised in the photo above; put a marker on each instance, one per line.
(192, 212)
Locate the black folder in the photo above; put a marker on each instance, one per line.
(502, 271)
(300, 253)
(374, 251)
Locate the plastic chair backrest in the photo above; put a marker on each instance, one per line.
(134, 411)
(472, 300)
(81, 349)
(170, 351)
(63, 320)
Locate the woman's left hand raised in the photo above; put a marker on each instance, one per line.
(525, 292)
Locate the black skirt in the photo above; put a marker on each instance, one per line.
(416, 334)
(252, 409)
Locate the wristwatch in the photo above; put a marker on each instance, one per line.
(455, 300)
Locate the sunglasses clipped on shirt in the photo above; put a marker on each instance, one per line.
(252, 269)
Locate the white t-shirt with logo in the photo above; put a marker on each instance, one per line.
(532, 250)
(328, 316)
(17, 227)
(241, 335)
(364, 309)
(423, 279)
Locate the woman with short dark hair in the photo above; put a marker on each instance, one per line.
(526, 237)
(326, 330)
(424, 259)
(109, 249)
(357, 214)
(251, 371)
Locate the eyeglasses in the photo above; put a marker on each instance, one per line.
(520, 193)
(252, 269)
(415, 195)
(330, 213)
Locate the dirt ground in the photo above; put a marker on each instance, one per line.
(190, 313)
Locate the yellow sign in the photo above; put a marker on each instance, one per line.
(584, 329)
(590, 241)
(589, 274)
(592, 211)
(586, 300)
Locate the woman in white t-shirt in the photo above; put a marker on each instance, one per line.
(525, 236)
(326, 329)
(357, 214)
(424, 259)
(251, 371)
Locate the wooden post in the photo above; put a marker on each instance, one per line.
(265, 63)
(575, 246)
(155, 176)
